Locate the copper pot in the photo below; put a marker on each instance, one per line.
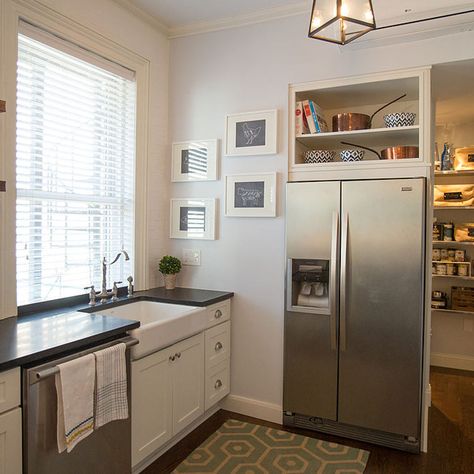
(353, 121)
(400, 152)
(393, 152)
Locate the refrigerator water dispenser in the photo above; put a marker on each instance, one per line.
(308, 285)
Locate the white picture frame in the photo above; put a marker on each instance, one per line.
(194, 160)
(251, 133)
(192, 218)
(251, 195)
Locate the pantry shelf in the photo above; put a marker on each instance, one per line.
(453, 208)
(448, 243)
(458, 311)
(455, 173)
(457, 277)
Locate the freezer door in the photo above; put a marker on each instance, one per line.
(310, 365)
(381, 304)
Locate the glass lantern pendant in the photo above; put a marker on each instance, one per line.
(341, 21)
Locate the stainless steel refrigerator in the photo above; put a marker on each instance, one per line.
(355, 309)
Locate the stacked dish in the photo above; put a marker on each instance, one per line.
(351, 155)
(399, 119)
(319, 156)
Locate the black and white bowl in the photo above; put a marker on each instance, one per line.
(319, 156)
(399, 119)
(351, 155)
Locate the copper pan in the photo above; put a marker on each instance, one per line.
(400, 152)
(353, 121)
(393, 152)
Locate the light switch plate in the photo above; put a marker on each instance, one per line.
(191, 257)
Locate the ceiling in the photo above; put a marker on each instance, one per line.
(180, 14)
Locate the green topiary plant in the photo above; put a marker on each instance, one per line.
(170, 265)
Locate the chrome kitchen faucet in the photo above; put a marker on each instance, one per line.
(104, 294)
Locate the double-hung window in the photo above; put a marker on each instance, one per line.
(75, 167)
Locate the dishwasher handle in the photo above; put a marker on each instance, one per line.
(51, 368)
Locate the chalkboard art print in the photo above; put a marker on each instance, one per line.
(251, 133)
(194, 161)
(251, 195)
(192, 219)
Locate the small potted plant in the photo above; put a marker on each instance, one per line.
(170, 267)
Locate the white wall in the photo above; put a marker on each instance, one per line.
(247, 69)
(115, 23)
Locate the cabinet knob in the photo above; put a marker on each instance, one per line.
(218, 384)
(218, 314)
(171, 358)
(218, 347)
(178, 355)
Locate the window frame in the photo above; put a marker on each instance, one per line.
(11, 13)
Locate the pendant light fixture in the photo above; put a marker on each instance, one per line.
(341, 21)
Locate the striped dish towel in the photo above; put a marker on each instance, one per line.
(75, 408)
(111, 385)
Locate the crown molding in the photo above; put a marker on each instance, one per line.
(415, 32)
(144, 16)
(259, 16)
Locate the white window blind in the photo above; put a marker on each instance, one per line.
(75, 170)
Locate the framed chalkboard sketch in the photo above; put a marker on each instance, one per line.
(193, 218)
(251, 133)
(250, 195)
(194, 160)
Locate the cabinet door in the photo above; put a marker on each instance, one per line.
(10, 442)
(188, 381)
(151, 404)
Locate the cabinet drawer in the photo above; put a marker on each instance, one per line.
(217, 344)
(10, 442)
(9, 389)
(217, 383)
(218, 313)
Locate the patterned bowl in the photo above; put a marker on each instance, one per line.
(319, 156)
(352, 155)
(400, 119)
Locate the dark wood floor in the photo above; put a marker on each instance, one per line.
(451, 434)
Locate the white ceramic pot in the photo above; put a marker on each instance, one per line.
(170, 281)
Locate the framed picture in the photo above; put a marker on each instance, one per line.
(194, 161)
(251, 133)
(193, 218)
(250, 195)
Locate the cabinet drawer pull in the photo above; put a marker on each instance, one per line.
(178, 355)
(218, 346)
(218, 384)
(171, 358)
(218, 314)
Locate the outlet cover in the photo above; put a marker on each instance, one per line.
(191, 257)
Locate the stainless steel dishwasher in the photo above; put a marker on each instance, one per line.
(106, 451)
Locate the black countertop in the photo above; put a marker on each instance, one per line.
(186, 296)
(58, 330)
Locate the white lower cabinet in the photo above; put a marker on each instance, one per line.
(175, 386)
(167, 394)
(188, 382)
(10, 442)
(152, 421)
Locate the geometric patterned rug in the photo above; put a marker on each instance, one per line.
(244, 448)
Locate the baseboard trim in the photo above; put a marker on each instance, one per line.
(452, 361)
(255, 408)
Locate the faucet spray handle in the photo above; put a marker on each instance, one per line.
(91, 294)
(130, 286)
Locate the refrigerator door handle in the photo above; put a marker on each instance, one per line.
(333, 278)
(342, 309)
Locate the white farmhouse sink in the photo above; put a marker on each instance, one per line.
(161, 324)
